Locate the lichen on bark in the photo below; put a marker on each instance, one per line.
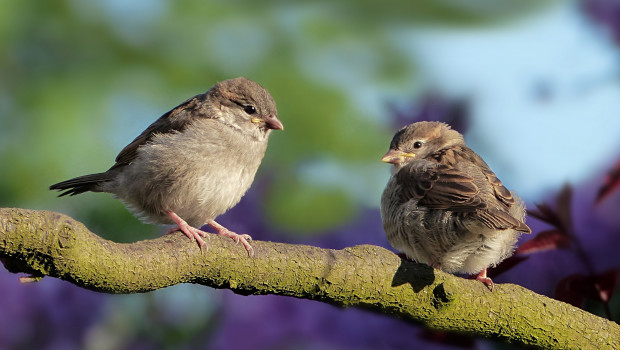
(43, 243)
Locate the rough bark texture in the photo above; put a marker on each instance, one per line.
(43, 243)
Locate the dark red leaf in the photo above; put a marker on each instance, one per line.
(505, 265)
(545, 213)
(567, 291)
(560, 218)
(606, 283)
(612, 183)
(574, 288)
(564, 201)
(546, 240)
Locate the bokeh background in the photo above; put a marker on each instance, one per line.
(533, 85)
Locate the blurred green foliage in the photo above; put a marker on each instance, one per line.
(80, 79)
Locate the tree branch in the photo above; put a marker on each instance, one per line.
(43, 243)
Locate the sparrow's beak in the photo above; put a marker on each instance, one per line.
(396, 157)
(271, 122)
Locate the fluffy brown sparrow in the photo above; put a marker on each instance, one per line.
(443, 205)
(194, 163)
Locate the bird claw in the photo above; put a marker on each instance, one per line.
(482, 277)
(243, 238)
(191, 232)
(197, 235)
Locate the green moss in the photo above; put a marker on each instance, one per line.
(363, 276)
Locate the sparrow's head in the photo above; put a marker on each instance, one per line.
(245, 105)
(420, 140)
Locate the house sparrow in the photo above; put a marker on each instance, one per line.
(443, 205)
(194, 162)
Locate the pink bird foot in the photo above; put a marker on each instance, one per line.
(482, 277)
(223, 231)
(191, 232)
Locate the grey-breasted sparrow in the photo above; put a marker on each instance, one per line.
(195, 162)
(443, 205)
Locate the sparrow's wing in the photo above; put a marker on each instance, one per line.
(439, 186)
(174, 120)
(500, 219)
(501, 192)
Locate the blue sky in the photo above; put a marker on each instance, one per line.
(545, 93)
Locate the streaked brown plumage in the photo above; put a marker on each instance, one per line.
(444, 206)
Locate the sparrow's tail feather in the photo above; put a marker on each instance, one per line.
(81, 184)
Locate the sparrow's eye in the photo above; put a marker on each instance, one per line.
(249, 109)
(417, 144)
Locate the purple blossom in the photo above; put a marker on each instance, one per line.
(433, 107)
(49, 314)
(605, 12)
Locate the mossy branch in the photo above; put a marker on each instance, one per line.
(43, 243)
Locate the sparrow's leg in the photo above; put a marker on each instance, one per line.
(191, 232)
(482, 277)
(223, 231)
